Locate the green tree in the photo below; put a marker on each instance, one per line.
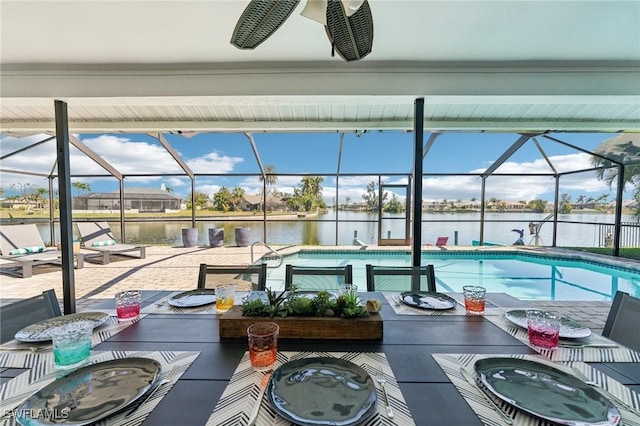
(537, 205)
(222, 200)
(623, 148)
(394, 205)
(371, 196)
(312, 185)
(565, 206)
(30, 194)
(81, 187)
(201, 200)
(40, 195)
(237, 197)
(269, 178)
(493, 203)
(307, 196)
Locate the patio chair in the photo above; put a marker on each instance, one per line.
(22, 248)
(317, 278)
(622, 321)
(97, 236)
(441, 241)
(16, 316)
(400, 278)
(253, 276)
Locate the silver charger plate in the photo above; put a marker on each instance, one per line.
(41, 331)
(193, 298)
(569, 329)
(90, 393)
(322, 391)
(546, 392)
(428, 300)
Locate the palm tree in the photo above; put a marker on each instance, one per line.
(269, 178)
(621, 149)
(237, 197)
(39, 196)
(565, 204)
(493, 202)
(311, 185)
(81, 187)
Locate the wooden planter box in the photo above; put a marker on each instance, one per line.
(233, 325)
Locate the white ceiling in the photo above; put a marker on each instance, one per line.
(146, 65)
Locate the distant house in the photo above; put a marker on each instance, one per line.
(21, 204)
(254, 202)
(135, 199)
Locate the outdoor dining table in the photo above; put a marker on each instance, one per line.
(409, 342)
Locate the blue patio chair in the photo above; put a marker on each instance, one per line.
(317, 277)
(400, 278)
(228, 274)
(16, 316)
(622, 321)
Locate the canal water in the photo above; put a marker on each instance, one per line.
(460, 228)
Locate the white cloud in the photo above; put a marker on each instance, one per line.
(116, 150)
(213, 162)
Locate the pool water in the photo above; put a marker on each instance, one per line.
(522, 275)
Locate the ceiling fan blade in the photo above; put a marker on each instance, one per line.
(351, 6)
(351, 36)
(260, 19)
(316, 10)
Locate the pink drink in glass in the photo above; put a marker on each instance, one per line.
(128, 304)
(544, 337)
(125, 312)
(543, 329)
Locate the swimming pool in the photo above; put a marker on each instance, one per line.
(527, 276)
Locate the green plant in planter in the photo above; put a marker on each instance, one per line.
(292, 303)
(324, 305)
(348, 306)
(299, 305)
(258, 308)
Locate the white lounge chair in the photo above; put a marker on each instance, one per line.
(22, 248)
(97, 236)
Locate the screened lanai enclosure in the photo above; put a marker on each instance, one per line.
(565, 189)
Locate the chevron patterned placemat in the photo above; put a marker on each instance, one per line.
(162, 306)
(402, 309)
(451, 363)
(586, 354)
(42, 372)
(110, 328)
(240, 396)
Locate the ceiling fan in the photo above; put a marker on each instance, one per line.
(348, 24)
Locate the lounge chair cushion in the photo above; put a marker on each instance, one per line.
(104, 243)
(26, 250)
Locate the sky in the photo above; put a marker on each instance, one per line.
(230, 155)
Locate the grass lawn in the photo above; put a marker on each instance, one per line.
(625, 252)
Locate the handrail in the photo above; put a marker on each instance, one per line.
(269, 252)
